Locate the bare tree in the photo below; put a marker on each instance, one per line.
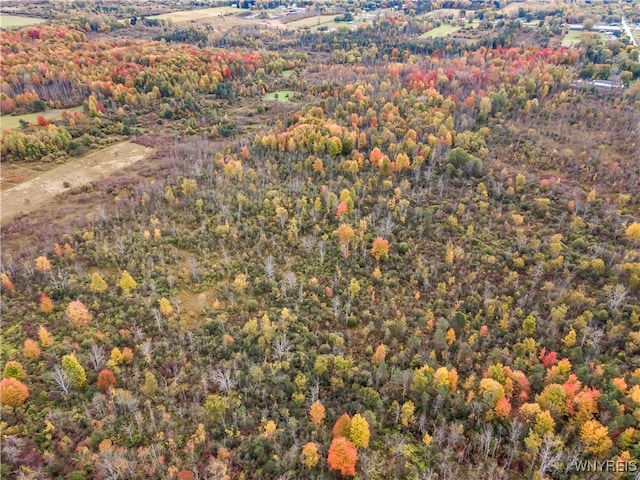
(616, 296)
(146, 348)
(97, 357)
(550, 456)
(223, 379)
(282, 348)
(516, 428)
(321, 251)
(61, 380)
(269, 268)
(12, 448)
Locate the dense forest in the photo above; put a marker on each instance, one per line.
(422, 263)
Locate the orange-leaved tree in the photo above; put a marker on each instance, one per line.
(13, 392)
(380, 249)
(46, 304)
(342, 426)
(343, 456)
(106, 380)
(78, 314)
(31, 349)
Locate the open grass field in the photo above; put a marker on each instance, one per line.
(9, 21)
(573, 37)
(13, 121)
(441, 31)
(279, 96)
(446, 29)
(312, 21)
(335, 25)
(200, 14)
(287, 73)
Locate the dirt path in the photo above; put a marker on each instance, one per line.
(43, 188)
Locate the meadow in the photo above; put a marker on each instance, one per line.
(10, 21)
(13, 121)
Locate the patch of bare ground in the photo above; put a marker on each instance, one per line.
(194, 307)
(43, 189)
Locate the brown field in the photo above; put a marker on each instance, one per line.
(35, 189)
(200, 14)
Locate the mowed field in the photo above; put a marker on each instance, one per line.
(279, 96)
(200, 14)
(441, 31)
(13, 121)
(9, 21)
(446, 29)
(312, 21)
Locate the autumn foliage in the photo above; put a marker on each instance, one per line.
(106, 380)
(342, 427)
(31, 349)
(46, 304)
(359, 431)
(317, 413)
(13, 392)
(343, 456)
(380, 249)
(310, 454)
(78, 314)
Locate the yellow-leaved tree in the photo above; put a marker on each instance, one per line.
(359, 431)
(127, 283)
(74, 370)
(317, 413)
(310, 453)
(98, 285)
(595, 437)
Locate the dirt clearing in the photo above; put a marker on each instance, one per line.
(42, 189)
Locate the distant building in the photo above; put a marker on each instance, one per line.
(606, 84)
(597, 28)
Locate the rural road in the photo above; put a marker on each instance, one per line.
(43, 189)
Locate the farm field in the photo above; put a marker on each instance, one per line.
(200, 14)
(9, 21)
(441, 31)
(310, 22)
(13, 121)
